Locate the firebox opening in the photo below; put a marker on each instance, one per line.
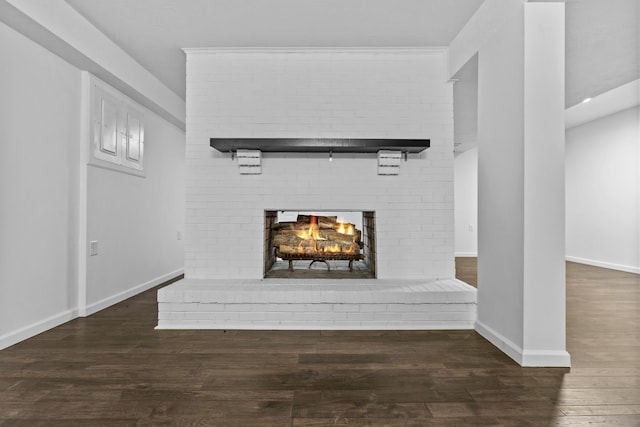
(319, 244)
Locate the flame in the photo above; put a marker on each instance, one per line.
(304, 250)
(313, 232)
(345, 229)
(311, 236)
(304, 234)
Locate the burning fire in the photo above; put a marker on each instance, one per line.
(314, 242)
(345, 229)
(313, 232)
(332, 249)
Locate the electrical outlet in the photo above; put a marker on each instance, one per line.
(179, 235)
(93, 248)
(470, 227)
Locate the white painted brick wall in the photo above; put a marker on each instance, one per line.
(333, 316)
(356, 94)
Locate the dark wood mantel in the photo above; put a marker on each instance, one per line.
(319, 145)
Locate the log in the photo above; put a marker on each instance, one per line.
(293, 227)
(323, 248)
(334, 236)
(296, 250)
(330, 238)
(300, 226)
(292, 230)
(328, 246)
(289, 236)
(288, 240)
(284, 225)
(286, 249)
(323, 221)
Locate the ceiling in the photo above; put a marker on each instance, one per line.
(602, 47)
(602, 43)
(154, 31)
(602, 37)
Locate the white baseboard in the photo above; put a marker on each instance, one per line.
(466, 254)
(36, 328)
(603, 264)
(507, 346)
(546, 358)
(43, 325)
(534, 358)
(121, 296)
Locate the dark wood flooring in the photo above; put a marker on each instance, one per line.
(467, 270)
(114, 369)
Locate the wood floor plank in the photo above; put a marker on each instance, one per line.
(600, 409)
(599, 420)
(70, 422)
(114, 369)
(389, 422)
(359, 410)
(343, 359)
(533, 408)
(391, 395)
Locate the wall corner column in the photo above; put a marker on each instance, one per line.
(521, 200)
(544, 296)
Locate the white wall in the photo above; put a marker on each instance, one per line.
(466, 202)
(39, 167)
(136, 220)
(42, 179)
(603, 191)
(465, 106)
(361, 94)
(500, 184)
(544, 208)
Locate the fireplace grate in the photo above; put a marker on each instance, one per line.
(320, 258)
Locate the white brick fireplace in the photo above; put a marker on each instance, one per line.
(316, 93)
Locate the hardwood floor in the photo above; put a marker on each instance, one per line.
(114, 369)
(467, 270)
